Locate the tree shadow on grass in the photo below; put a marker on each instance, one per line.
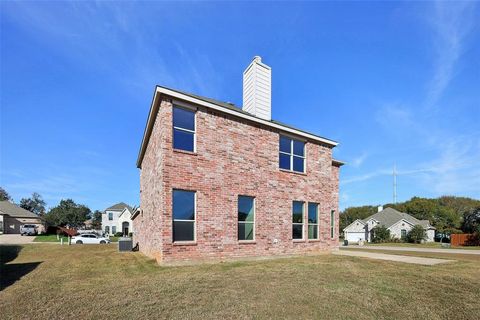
(10, 273)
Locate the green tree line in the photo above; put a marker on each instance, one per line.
(447, 214)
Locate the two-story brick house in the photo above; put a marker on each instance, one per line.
(219, 182)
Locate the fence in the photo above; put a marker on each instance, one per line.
(464, 239)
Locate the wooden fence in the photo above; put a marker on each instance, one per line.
(464, 239)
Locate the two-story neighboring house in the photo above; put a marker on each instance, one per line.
(117, 218)
(219, 182)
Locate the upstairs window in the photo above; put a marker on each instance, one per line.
(183, 215)
(292, 154)
(183, 129)
(297, 220)
(110, 216)
(246, 218)
(312, 220)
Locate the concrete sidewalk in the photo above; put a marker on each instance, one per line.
(392, 257)
(412, 249)
(15, 239)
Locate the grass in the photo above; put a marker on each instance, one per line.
(49, 238)
(98, 282)
(421, 245)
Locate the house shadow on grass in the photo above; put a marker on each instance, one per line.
(10, 273)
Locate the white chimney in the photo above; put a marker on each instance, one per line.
(257, 89)
(380, 208)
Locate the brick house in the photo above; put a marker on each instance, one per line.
(219, 182)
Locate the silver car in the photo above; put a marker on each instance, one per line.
(28, 230)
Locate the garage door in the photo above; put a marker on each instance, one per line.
(355, 236)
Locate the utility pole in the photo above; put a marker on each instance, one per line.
(394, 183)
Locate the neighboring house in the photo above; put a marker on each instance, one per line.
(399, 224)
(220, 182)
(117, 218)
(12, 217)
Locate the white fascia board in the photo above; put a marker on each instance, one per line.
(241, 115)
(358, 220)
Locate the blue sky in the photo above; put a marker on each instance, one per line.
(392, 82)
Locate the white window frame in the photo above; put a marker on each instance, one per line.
(110, 216)
(313, 224)
(332, 224)
(186, 130)
(291, 154)
(297, 223)
(185, 220)
(244, 222)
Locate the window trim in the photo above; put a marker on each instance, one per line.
(194, 132)
(184, 220)
(313, 224)
(297, 223)
(332, 224)
(244, 222)
(292, 155)
(110, 216)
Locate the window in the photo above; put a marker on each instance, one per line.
(312, 220)
(403, 234)
(114, 229)
(110, 216)
(292, 154)
(332, 224)
(297, 222)
(107, 230)
(246, 218)
(183, 129)
(183, 215)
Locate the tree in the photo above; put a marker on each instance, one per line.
(68, 213)
(381, 234)
(416, 234)
(4, 195)
(97, 220)
(34, 204)
(471, 220)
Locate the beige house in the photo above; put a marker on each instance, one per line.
(398, 223)
(12, 217)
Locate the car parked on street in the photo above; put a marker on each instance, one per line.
(28, 230)
(89, 238)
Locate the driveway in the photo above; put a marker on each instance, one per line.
(413, 249)
(15, 239)
(392, 257)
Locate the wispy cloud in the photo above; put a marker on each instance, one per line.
(451, 22)
(359, 160)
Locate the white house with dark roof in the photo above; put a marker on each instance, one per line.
(117, 218)
(399, 224)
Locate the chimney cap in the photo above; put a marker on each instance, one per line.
(257, 59)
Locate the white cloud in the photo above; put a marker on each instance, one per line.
(358, 161)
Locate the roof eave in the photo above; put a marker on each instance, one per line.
(159, 91)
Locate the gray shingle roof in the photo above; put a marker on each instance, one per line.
(6, 207)
(119, 207)
(390, 216)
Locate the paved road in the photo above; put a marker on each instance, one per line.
(392, 257)
(399, 248)
(15, 239)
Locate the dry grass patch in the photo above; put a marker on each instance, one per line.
(98, 282)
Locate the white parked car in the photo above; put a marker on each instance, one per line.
(89, 238)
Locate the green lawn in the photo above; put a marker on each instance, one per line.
(49, 238)
(96, 281)
(422, 245)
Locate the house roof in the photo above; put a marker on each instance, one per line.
(6, 207)
(389, 216)
(119, 207)
(221, 106)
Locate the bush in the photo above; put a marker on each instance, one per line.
(118, 234)
(417, 234)
(381, 234)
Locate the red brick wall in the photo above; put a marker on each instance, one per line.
(234, 157)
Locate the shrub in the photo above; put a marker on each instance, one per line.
(417, 234)
(118, 234)
(381, 234)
